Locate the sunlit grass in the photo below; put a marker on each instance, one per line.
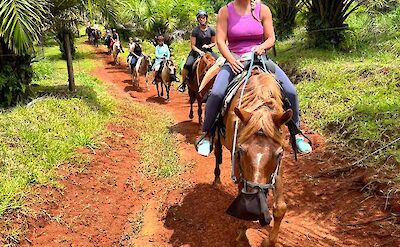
(37, 138)
(351, 95)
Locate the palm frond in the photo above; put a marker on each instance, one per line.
(21, 23)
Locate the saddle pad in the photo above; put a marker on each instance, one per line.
(233, 86)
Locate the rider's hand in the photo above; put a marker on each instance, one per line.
(205, 46)
(202, 53)
(259, 50)
(236, 66)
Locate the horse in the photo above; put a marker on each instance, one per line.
(165, 77)
(200, 68)
(88, 32)
(142, 67)
(96, 34)
(259, 149)
(116, 50)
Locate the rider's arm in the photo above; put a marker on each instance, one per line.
(222, 37)
(213, 39)
(193, 41)
(193, 45)
(269, 34)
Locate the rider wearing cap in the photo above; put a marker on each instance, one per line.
(162, 53)
(201, 41)
(135, 51)
(115, 38)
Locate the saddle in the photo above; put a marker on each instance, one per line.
(258, 66)
(209, 77)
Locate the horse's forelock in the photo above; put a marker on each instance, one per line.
(263, 99)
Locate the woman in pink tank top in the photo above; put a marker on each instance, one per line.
(244, 26)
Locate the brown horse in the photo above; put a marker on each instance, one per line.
(141, 68)
(200, 68)
(259, 146)
(166, 77)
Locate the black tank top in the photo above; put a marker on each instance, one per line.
(137, 50)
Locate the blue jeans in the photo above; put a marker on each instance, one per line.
(218, 91)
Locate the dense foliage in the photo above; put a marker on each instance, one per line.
(173, 18)
(326, 20)
(284, 13)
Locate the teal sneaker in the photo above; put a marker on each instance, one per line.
(302, 146)
(203, 147)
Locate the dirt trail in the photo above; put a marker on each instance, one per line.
(104, 205)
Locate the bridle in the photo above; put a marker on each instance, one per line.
(259, 186)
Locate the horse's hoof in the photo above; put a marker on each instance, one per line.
(191, 116)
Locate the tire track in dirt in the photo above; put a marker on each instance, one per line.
(191, 212)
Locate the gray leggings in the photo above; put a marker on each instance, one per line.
(225, 75)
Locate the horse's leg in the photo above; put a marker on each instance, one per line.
(158, 92)
(133, 74)
(162, 88)
(242, 239)
(199, 110)
(279, 213)
(147, 81)
(218, 161)
(191, 101)
(167, 87)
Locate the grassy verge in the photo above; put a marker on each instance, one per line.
(37, 138)
(352, 95)
(156, 144)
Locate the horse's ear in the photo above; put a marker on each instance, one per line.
(282, 119)
(243, 115)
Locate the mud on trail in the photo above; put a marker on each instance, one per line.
(111, 204)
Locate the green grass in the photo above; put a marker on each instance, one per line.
(156, 145)
(351, 95)
(36, 139)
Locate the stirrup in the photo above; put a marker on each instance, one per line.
(182, 87)
(302, 146)
(203, 146)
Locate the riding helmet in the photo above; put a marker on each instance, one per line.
(201, 13)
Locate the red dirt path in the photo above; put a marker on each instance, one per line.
(99, 207)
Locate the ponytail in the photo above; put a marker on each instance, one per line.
(253, 6)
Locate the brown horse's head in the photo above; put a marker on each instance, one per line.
(169, 72)
(204, 64)
(260, 146)
(145, 65)
(260, 137)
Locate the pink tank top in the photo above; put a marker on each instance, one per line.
(244, 32)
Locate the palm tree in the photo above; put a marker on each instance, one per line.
(21, 23)
(284, 13)
(326, 19)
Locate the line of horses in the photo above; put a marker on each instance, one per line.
(162, 78)
(94, 36)
(260, 140)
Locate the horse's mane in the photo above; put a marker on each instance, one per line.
(262, 98)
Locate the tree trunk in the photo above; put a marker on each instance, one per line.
(67, 48)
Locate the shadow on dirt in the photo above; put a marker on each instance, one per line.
(189, 129)
(200, 220)
(158, 100)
